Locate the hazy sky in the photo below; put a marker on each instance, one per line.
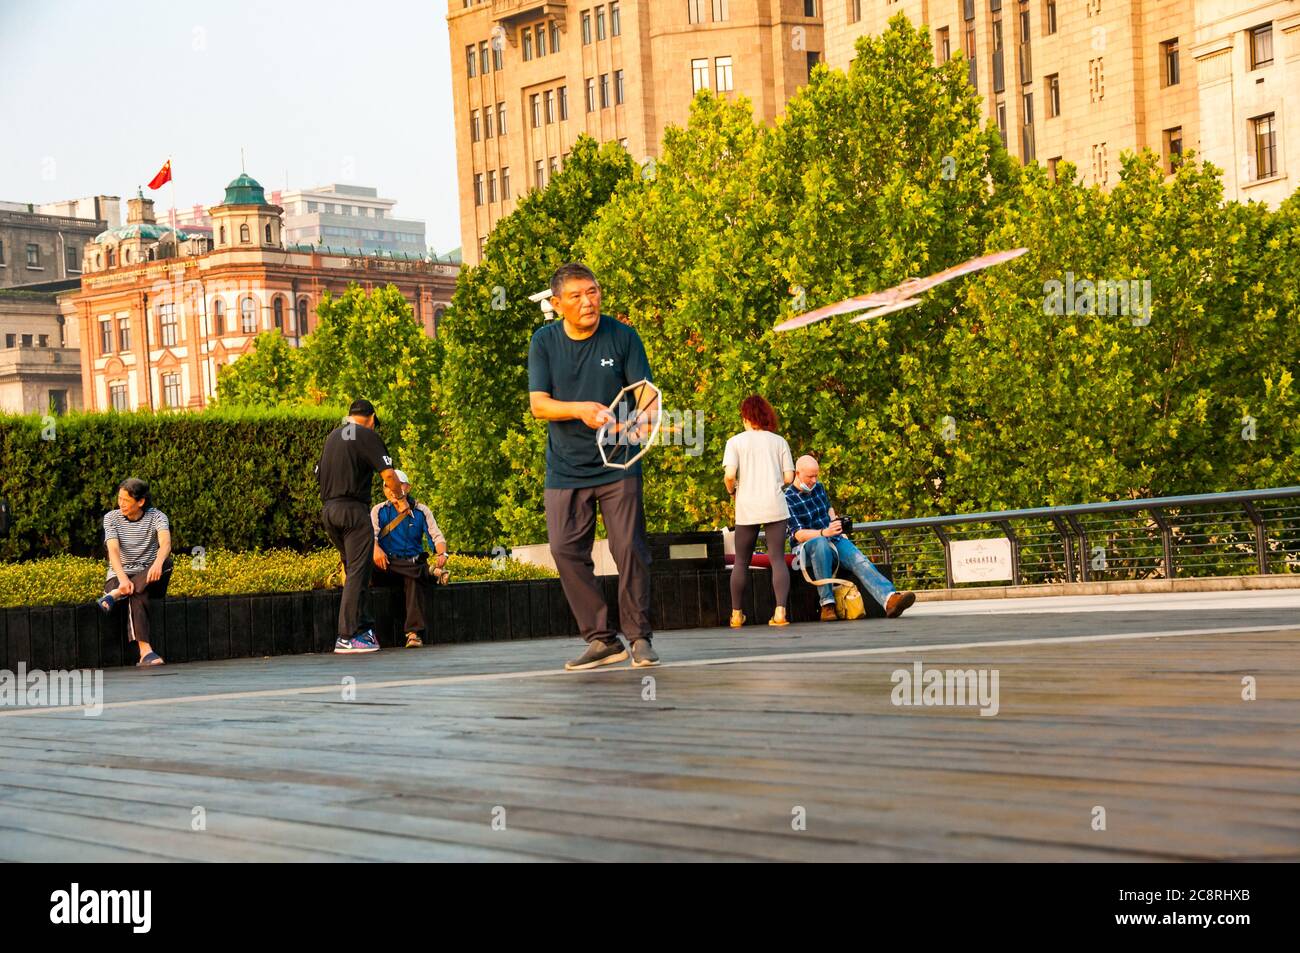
(94, 96)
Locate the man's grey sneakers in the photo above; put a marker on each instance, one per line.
(597, 653)
(643, 654)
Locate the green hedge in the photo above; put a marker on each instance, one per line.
(237, 478)
(64, 580)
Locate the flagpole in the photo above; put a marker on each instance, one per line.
(176, 225)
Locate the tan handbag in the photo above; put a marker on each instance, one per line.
(848, 599)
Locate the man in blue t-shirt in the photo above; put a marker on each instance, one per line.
(576, 366)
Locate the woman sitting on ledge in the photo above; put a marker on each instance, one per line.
(139, 542)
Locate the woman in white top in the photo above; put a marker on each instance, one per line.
(758, 467)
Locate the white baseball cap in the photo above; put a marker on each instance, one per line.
(401, 477)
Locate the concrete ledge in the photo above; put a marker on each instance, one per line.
(1116, 587)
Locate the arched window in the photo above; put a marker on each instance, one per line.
(279, 310)
(248, 315)
(223, 235)
(302, 316)
(126, 256)
(111, 259)
(243, 234)
(218, 317)
(99, 260)
(437, 318)
(268, 233)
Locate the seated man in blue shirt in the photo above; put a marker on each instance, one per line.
(400, 554)
(814, 524)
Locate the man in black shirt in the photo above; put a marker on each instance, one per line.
(574, 367)
(353, 454)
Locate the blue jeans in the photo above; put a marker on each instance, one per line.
(819, 555)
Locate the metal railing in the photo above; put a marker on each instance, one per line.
(1207, 534)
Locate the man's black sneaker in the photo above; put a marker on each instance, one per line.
(643, 654)
(598, 653)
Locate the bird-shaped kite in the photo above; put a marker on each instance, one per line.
(904, 295)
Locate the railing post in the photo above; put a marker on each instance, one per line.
(1069, 548)
(1261, 537)
(1015, 550)
(947, 554)
(1083, 546)
(1167, 539)
(884, 546)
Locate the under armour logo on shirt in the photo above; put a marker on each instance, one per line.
(606, 362)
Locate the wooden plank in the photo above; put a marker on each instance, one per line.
(178, 636)
(262, 625)
(63, 638)
(86, 622)
(240, 609)
(40, 635)
(196, 629)
(539, 613)
(113, 650)
(19, 637)
(301, 625)
(218, 627)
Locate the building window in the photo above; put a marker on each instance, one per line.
(615, 20)
(586, 27)
(1027, 146)
(720, 12)
(600, 23)
(563, 94)
(1053, 95)
(171, 390)
(501, 118)
(473, 126)
(855, 11)
(218, 317)
(492, 186)
(505, 182)
(814, 57)
(268, 233)
(487, 123)
(943, 50)
(222, 233)
(541, 40)
(71, 260)
(539, 174)
(591, 95)
(471, 61)
(117, 396)
(478, 188)
(248, 316)
(42, 340)
(810, 8)
(1173, 148)
(550, 106)
(604, 90)
(555, 36)
(1049, 17)
(2, 252)
(1002, 122)
(535, 105)
(1265, 136)
(1261, 46)
(278, 309)
(528, 45)
(26, 340)
(124, 335)
(244, 234)
(721, 70)
(1169, 61)
(618, 87)
(699, 75)
(167, 324)
(11, 340)
(302, 316)
(694, 12)
(105, 336)
(484, 64)
(33, 256)
(498, 56)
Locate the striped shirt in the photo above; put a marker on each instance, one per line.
(137, 539)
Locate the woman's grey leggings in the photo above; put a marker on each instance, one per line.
(746, 537)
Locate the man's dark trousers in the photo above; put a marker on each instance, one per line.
(571, 528)
(413, 574)
(347, 523)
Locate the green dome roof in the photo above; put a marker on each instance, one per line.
(244, 190)
(149, 231)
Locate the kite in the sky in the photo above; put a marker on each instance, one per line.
(905, 295)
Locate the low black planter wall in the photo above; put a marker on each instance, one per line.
(225, 627)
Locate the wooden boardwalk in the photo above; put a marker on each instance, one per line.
(742, 734)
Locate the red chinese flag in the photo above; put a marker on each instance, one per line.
(163, 177)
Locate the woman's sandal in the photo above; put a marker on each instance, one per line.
(153, 658)
(737, 618)
(778, 617)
